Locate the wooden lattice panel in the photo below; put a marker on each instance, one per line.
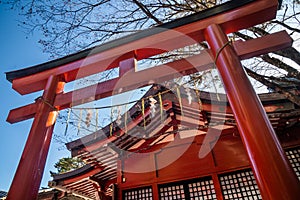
(202, 189)
(144, 193)
(294, 158)
(198, 189)
(239, 185)
(172, 192)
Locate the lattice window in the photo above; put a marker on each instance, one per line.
(294, 158)
(172, 192)
(197, 189)
(239, 185)
(138, 193)
(202, 189)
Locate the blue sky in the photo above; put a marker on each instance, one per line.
(17, 50)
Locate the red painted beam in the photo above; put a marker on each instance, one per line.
(29, 173)
(131, 80)
(158, 74)
(22, 113)
(246, 16)
(134, 80)
(271, 42)
(274, 174)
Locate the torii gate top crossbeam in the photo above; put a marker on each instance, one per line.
(116, 43)
(145, 43)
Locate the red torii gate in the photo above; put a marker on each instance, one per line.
(274, 175)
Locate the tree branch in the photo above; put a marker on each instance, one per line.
(277, 88)
(147, 11)
(292, 72)
(286, 26)
(289, 52)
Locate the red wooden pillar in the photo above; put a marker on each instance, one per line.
(218, 188)
(30, 170)
(274, 175)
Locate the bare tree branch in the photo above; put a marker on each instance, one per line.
(146, 11)
(286, 26)
(289, 52)
(290, 96)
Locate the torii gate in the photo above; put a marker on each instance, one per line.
(274, 175)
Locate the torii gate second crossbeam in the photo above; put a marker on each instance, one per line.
(274, 175)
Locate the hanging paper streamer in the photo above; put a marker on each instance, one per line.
(79, 122)
(119, 117)
(198, 96)
(96, 120)
(188, 93)
(160, 105)
(152, 106)
(125, 118)
(88, 118)
(68, 119)
(179, 100)
(143, 112)
(110, 129)
(111, 121)
(214, 84)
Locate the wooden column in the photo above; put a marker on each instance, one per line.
(274, 175)
(30, 170)
(218, 188)
(155, 191)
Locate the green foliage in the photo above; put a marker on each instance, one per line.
(68, 164)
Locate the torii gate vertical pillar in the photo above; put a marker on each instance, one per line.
(30, 170)
(274, 175)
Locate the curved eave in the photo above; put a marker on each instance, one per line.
(80, 182)
(74, 173)
(104, 132)
(273, 103)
